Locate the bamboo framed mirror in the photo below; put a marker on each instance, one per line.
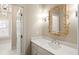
(58, 20)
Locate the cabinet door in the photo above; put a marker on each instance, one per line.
(34, 49)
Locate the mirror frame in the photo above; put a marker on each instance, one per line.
(65, 18)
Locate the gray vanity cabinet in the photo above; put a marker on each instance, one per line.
(37, 50)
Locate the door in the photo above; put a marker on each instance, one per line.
(19, 29)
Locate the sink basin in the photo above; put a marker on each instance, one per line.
(54, 45)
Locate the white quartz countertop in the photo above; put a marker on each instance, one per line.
(64, 50)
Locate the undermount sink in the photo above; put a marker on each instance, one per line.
(54, 44)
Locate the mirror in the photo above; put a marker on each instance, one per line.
(58, 18)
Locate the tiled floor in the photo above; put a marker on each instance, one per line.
(5, 47)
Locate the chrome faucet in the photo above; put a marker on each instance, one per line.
(56, 42)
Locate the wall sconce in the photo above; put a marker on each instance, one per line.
(44, 16)
(45, 19)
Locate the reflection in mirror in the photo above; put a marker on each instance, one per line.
(55, 23)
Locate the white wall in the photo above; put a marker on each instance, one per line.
(14, 10)
(31, 25)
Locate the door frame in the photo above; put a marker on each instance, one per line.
(15, 5)
(22, 31)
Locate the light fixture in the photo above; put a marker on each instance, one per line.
(45, 15)
(4, 9)
(45, 18)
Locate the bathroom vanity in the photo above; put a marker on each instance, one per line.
(41, 46)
